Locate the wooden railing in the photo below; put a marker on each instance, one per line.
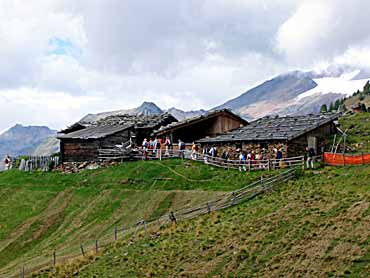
(246, 165)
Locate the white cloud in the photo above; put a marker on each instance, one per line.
(54, 109)
(323, 29)
(73, 57)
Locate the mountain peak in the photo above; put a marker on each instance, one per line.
(148, 108)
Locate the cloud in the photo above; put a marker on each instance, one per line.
(112, 54)
(55, 109)
(321, 30)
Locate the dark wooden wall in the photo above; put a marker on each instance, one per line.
(78, 150)
(205, 128)
(298, 146)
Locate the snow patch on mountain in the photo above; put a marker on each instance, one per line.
(345, 85)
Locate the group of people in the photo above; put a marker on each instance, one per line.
(155, 146)
(250, 156)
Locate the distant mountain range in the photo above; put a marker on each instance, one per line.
(147, 108)
(27, 140)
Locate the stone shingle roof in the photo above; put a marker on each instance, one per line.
(274, 128)
(95, 132)
(113, 124)
(193, 120)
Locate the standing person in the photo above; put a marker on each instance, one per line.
(242, 159)
(310, 157)
(145, 146)
(151, 144)
(167, 144)
(322, 146)
(194, 151)
(155, 145)
(205, 154)
(181, 149)
(158, 147)
(8, 162)
(225, 155)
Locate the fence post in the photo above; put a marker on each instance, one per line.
(268, 164)
(115, 233)
(82, 250)
(22, 272)
(344, 159)
(96, 246)
(173, 218)
(249, 165)
(145, 228)
(303, 163)
(54, 258)
(208, 207)
(233, 198)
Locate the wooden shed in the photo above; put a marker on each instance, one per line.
(208, 125)
(84, 142)
(290, 134)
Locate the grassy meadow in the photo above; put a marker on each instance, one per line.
(316, 226)
(42, 212)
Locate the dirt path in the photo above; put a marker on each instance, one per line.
(181, 175)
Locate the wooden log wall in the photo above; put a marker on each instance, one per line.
(79, 150)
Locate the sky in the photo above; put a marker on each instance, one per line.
(62, 59)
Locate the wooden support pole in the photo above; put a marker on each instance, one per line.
(22, 271)
(303, 168)
(82, 250)
(115, 233)
(96, 246)
(208, 208)
(145, 228)
(233, 198)
(54, 258)
(173, 218)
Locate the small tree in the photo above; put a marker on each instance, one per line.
(331, 107)
(367, 88)
(336, 105)
(323, 108)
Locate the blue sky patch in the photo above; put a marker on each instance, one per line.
(59, 46)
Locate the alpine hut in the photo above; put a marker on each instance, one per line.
(209, 124)
(289, 134)
(82, 141)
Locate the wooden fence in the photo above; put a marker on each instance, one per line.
(150, 226)
(33, 163)
(335, 159)
(246, 165)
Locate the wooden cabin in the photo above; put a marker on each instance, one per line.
(208, 125)
(82, 143)
(291, 135)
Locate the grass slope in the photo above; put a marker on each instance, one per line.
(41, 212)
(358, 139)
(316, 226)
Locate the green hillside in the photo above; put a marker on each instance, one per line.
(357, 127)
(41, 212)
(317, 226)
